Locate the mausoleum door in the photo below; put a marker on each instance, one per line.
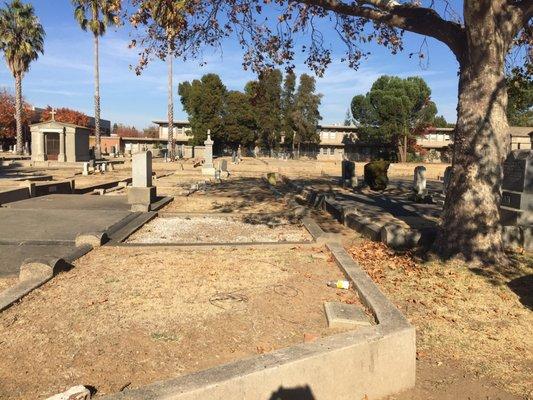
(52, 145)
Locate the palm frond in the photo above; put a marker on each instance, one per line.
(21, 36)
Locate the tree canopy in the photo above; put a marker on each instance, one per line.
(203, 99)
(66, 115)
(394, 111)
(520, 92)
(7, 114)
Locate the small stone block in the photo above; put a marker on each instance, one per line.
(341, 315)
(140, 195)
(74, 393)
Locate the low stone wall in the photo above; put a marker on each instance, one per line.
(35, 190)
(11, 195)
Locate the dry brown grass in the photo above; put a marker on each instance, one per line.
(136, 315)
(460, 314)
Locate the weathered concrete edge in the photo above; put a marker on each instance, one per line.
(131, 227)
(374, 361)
(15, 293)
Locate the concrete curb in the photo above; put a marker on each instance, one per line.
(36, 272)
(374, 361)
(95, 239)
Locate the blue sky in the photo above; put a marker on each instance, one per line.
(63, 77)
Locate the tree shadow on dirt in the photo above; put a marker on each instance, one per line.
(297, 393)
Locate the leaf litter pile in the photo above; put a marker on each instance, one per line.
(459, 313)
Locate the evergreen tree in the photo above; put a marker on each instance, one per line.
(266, 100)
(287, 108)
(204, 101)
(395, 111)
(306, 115)
(239, 120)
(21, 41)
(520, 92)
(348, 120)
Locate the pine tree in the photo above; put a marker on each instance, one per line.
(287, 108)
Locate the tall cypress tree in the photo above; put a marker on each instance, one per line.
(287, 108)
(266, 100)
(306, 114)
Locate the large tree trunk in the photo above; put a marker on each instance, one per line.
(18, 112)
(171, 141)
(97, 151)
(471, 213)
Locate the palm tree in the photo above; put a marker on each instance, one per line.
(97, 15)
(167, 14)
(21, 40)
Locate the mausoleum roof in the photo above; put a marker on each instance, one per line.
(60, 124)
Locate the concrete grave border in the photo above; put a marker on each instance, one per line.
(118, 239)
(35, 273)
(374, 361)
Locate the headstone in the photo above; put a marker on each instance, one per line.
(85, 169)
(517, 189)
(141, 194)
(103, 167)
(447, 179)
(208, 169)
(224, 166)
(349, 175)
(110, 167)
(142, 169)
(419, 182)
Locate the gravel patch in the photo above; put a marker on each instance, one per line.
(216, 230)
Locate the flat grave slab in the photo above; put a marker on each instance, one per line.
(54, 226)
(72, 202)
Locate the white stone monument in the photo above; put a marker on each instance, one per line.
(141, 194)
(85, 169)
(208, 169)
(419, 182)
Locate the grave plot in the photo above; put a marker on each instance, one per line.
(128, 316)
(236, 195)
(220, 229)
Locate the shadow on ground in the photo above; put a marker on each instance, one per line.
(297, 393)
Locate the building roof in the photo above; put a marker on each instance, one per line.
(524, 131)
(163, 122)
(59, 123)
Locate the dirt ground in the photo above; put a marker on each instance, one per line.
(476, 322)
(217, 230)
(236, 195)
(6, 282)
(126, 316)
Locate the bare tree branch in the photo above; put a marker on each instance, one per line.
(424, 21)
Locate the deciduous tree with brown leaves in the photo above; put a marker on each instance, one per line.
(480, 37)
(66, 115)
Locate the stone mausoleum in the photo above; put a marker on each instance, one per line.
(59, 141)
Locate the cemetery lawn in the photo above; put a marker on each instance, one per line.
(479, 321)
(129, 316)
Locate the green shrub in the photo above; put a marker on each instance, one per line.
(376, 174)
